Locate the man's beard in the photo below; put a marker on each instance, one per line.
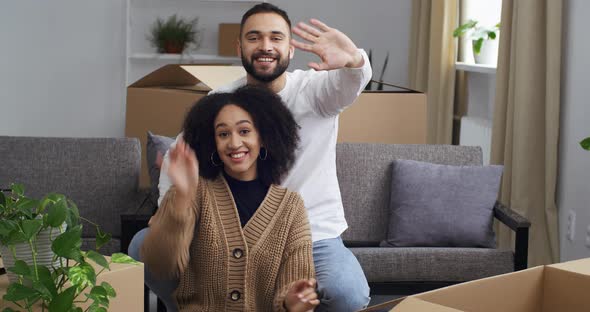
(280, 68)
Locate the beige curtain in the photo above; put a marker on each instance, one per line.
(526, 119)
(432, 63)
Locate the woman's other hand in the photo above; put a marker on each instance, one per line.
(301, 296)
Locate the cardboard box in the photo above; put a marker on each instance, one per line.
(228, 39)
(126, 279)
(159, 102)
(560, 287)
(397, 116)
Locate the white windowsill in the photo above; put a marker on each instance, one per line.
(475, 68)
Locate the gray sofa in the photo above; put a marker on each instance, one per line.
(99, 174)
(365, 174)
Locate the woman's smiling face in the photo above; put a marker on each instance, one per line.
(238, 142)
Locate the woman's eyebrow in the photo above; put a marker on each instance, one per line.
(243, 121)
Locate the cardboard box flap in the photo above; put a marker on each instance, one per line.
(215, 76)
(412, 304)
(581, 266)
(175, 75)
(566, 290)
(521, 292)
(168, 75)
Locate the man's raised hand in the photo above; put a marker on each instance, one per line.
(333, 47)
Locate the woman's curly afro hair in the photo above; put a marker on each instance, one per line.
(274, 122)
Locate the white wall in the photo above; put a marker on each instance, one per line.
(62, 68)
(574, 169)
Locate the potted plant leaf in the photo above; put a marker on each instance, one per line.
(585, 143)
(40, 242)
(174, 34)
(483, 39)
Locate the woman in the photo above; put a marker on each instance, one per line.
(236, 240)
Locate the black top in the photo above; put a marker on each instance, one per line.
(248, 196)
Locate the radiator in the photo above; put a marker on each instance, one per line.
(477, 132)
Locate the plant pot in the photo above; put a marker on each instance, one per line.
(173, 47)
(489, 52)
(23, 252)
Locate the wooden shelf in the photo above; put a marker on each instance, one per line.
(186, 58)
(475, 68)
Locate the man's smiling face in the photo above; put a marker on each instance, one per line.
(264, 46)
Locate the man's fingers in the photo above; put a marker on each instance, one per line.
(302, 46)
(305, 35)
(314, 32)
(318, 66)
(319, 24)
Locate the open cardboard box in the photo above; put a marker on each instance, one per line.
(126, 279)
(159, 102)
(563, 287)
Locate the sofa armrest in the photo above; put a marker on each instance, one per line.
(520, 225)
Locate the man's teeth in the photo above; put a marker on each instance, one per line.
(238, 155)
(265, 59)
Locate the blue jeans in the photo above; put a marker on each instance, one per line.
(342, 285)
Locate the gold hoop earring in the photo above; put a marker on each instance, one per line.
(265, 153)
(213, 161)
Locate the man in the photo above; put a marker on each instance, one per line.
(315, 97)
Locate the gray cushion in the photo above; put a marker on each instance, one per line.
(156, 144)
(432, 263)
(101, 175)
(441, 205)
(364, 175)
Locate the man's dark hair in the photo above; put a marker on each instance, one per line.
(275, 124)
(264, 8)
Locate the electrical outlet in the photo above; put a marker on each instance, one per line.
(588, 236)
(570, 227)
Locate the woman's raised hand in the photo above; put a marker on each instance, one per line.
(184, 169)
(301, 296)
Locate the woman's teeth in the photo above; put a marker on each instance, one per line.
(238, 155)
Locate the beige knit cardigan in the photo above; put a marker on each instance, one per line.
(222, 266)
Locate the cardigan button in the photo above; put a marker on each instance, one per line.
(235, 295)
(238, 253)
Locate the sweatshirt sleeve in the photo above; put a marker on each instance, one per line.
(330, 92)
(297, 261)
(164, 182)
(165, 249)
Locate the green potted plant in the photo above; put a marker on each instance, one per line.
(585, 143)
(484, 40)
(56, 283)
(174, 34)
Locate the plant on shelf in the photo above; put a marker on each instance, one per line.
(174, 34)
(31, 228)
(585, 143)
(480, 36)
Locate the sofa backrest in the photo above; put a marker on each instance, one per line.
(100, 175)
(364, 174)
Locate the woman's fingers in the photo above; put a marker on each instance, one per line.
(314, 302)
(307, 294)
